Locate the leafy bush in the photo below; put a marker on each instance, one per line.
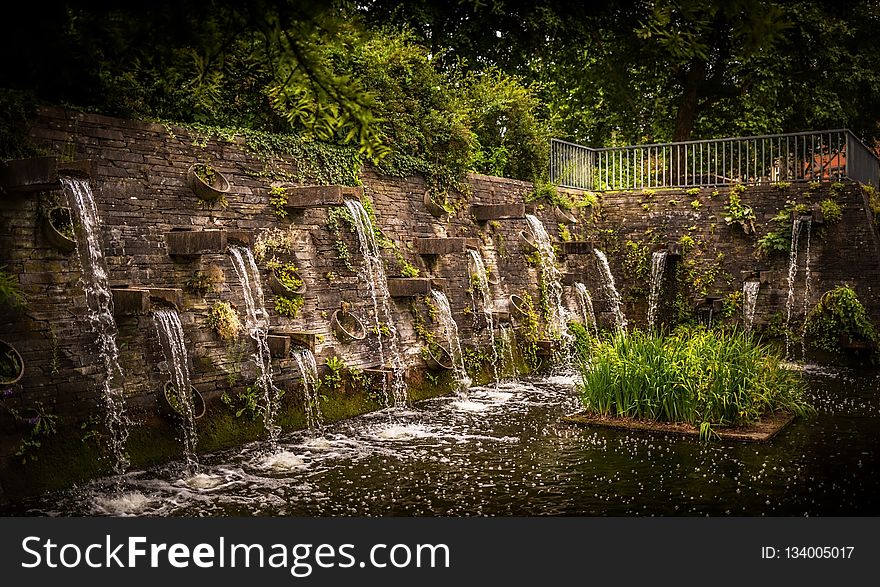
(839, 316)
(11, 295)
(831, 211)
(691, 375)
(224, 320)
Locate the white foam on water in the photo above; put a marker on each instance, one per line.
(402, 432)
(283, 461)
(202, 481)
(470, 406)
(127, 504)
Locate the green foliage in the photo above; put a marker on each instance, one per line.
(837, 318)
(696, 204)
(224, 320)
(691, 375)
(873, 201)
(693, 191)
(245, 402)
(278, 201)
(637, 262)
(288, 306)
(17, 108)
(203, 282)
(737, 212)
(11, 294)
(831, 211)
(334, 376)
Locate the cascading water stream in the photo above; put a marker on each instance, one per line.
(373, 272)
(550, 278)
(482, 283)
(586, 303)
(610, 290)
(797, 226)
(257, 324)
(174, 348)
(508, 365)
(99, 300)
(444, 312)
(308, 368)
(658, 271)
(750, 302)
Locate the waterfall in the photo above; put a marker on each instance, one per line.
(586, 303)
(750, 302)
(257, 323)
(610, 290)
(174, 348)
(99, 300)
(451, 329)
(807, 288)
(658, 270)
(550, 277)
(308, 369)
(482, 284)
(508, 365)
(373, 272)
(797, 226)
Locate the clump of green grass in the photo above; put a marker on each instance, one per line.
(691, 375)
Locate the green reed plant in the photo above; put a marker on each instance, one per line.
(690, 375)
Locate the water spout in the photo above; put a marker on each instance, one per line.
(750, 302)
(482, 284)
(257, 324)
(658, 271)
(174, 348)
(99, 300)
(798, 225)
(373, 272)
(550, 278)
(308, 368)
(444, 312)
(610, 290)
(586, 304)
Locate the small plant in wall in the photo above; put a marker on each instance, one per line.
(278, 201)
(831, 211)
(738, 213)
(224, 320)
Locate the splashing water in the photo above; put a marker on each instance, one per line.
(373, 272)
(658, 271)
(610, 290)
(483, 285)
(586, 303)
(308, 369)
(257, 323)
(550, 277)
(174, 348)
(508, 366)
(99, 300)
(797, 226)
(750, 302)
(444, 312)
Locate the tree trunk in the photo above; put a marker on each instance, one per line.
(687, 108)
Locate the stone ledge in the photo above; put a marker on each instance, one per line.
(405, 287)
(758, 432)
(439, 246)
(319, 196)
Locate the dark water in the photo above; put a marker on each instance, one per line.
(504, 453)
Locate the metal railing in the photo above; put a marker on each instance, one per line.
(829, 155)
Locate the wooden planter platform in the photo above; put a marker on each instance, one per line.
(758, 432)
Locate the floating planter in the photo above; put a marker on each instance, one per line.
(347, 326)
(206, 182)
(439, 246)
(285, 281)
(11, 364)
(171, 406)
(438, 358)
(407, 287)
(577, 248)
(320, 196)
(563, 216)
(517, 306)
(527, 242)
(40, 173)
(433, 208)
(57, 225)
(485, 212)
